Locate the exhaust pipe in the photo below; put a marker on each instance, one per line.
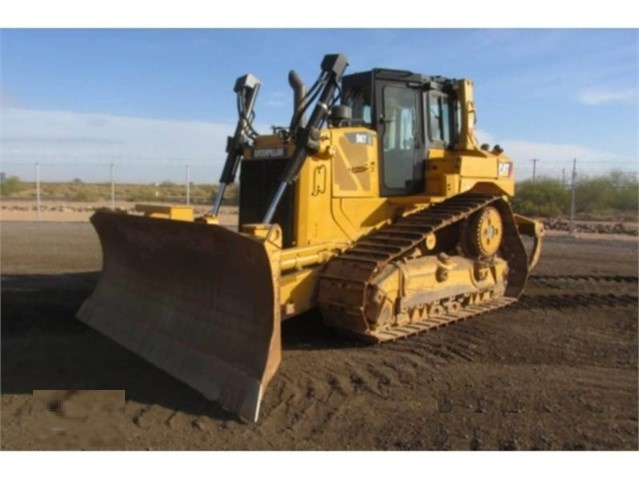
(299, 90)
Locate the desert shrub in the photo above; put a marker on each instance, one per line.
(626, 199)
(87, 196)
(626, 191)
(543, 197)
(142, 195)
(615, 192)
(593, 194)
(202, 194)
(11, 186)
(231, 194)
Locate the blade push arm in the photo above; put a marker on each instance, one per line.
(246, 88)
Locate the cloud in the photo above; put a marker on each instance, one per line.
(554, 158)
(513, 43)
(7, 101)
(600, 96)
(144, 149)
(70, 144)
(484, 137)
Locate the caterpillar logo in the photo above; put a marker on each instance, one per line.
(505, 169)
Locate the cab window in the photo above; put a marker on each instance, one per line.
(439, 120)
(360, 103)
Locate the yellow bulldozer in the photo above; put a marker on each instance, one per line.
(376, 205)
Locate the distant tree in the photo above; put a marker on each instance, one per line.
(76, 181)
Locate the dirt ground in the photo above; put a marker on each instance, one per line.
(558, 370)
(77, 420)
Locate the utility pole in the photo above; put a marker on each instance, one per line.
(188, 184)
(534, 160)
(37, 166)
(112, 188)
(563, 177)
(572, 200)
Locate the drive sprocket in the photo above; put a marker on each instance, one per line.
(484, 232)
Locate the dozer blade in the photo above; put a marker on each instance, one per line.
(198, 301)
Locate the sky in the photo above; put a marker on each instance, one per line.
(151, 101)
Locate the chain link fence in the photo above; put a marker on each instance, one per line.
(40, 185)
(121, 182)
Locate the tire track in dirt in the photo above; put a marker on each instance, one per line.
(306, 406)
(149, 416)
(550, 279)
(452, 351)
(469, 340)
(145, 417)
(575, 300)
(333, 390)
(599, 379)
(463, 342)
(582, 283)
(326, 394)
(302, 407)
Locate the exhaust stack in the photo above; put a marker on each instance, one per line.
(299, 90)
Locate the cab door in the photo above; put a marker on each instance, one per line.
(401, 132)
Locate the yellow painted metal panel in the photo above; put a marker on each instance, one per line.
(170, 212)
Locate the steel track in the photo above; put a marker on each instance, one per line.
(345, 281)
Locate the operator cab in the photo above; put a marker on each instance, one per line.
(411, 113)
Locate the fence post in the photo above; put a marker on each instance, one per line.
(37, 167)
(112, 188)
(188, 184)
(572, 199)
